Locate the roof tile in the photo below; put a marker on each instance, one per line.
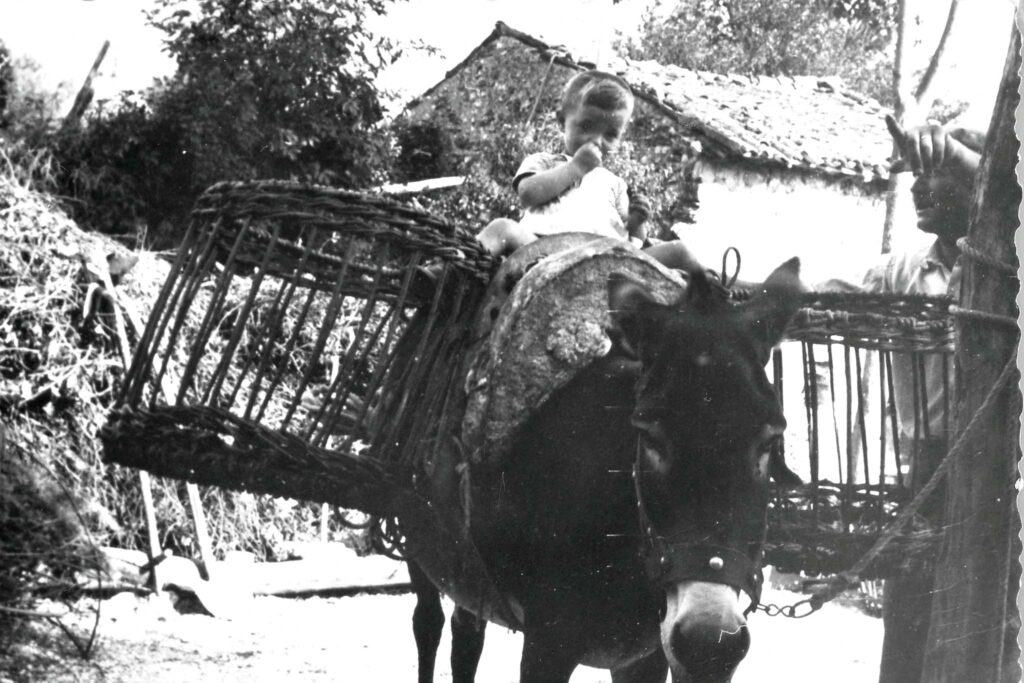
(810, 123)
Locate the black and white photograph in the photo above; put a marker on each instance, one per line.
(498, 341)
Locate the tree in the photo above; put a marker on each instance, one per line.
(6, 83)
(273, 88)
(847, 38)
(263, 89)
(909, 101)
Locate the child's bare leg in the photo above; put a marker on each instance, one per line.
(674, 254)
(502, 236)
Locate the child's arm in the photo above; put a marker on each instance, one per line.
(541, 188)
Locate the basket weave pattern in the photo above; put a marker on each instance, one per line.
(300, 348)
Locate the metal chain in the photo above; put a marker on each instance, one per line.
(814, 603)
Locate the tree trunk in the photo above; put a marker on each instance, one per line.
(899, 69)
(974, 621)
(921, 93)
(912, 104)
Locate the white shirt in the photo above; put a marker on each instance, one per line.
(598, 204)
(919, 272)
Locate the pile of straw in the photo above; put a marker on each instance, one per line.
(60, 371)
(54, 389)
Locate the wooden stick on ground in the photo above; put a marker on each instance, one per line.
(152, 533)
(206, 557)
(97, 267)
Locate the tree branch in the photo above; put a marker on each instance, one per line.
(899, 62)
(940, 49)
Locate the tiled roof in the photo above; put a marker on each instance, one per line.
(804, 123)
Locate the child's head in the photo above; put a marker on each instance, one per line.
(596, 107)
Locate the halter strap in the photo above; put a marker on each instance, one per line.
(672, 562)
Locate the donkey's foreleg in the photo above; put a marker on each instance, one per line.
(467, 645)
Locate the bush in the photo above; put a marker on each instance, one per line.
(127, 167)
(263, 89)
(28, 114)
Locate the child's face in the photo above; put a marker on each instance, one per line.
(588, 123)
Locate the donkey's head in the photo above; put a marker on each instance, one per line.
(708, 423)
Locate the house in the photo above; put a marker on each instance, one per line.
(774, 166)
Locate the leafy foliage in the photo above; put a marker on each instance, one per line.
(272, 88)
(127, 166)
(263, 89)
(852, 39)
(6, 84)
(27, 114)
(424, 151)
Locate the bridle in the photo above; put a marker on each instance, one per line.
(668, 561)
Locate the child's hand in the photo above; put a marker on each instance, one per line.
(588, 157)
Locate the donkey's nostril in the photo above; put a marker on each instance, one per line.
(708, 652)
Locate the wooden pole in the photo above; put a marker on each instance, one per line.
(974, 624)
(85, 93)
(206, 556)
(152, 532)
(96, 265)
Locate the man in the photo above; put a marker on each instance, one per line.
(945, 163)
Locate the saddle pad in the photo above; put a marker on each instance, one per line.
(548, 328)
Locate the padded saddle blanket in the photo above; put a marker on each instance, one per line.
(543, 320)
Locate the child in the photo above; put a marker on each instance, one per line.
(574, 192)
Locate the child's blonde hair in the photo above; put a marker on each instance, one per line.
(598, 89)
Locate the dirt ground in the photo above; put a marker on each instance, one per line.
(368, 638)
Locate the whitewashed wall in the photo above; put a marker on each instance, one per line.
(837, 233)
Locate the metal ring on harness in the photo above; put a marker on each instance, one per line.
(669, 562)
(730, 280)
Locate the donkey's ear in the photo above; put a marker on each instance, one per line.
(630, 310)
(780, 297)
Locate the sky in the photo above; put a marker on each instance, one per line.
(64, 37)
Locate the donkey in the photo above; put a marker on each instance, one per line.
(627, 525)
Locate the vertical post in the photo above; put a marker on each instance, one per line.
(152, 533)
(202, 533)
(85, 93)
(972, 634)
(96, 264)
(325, 518)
